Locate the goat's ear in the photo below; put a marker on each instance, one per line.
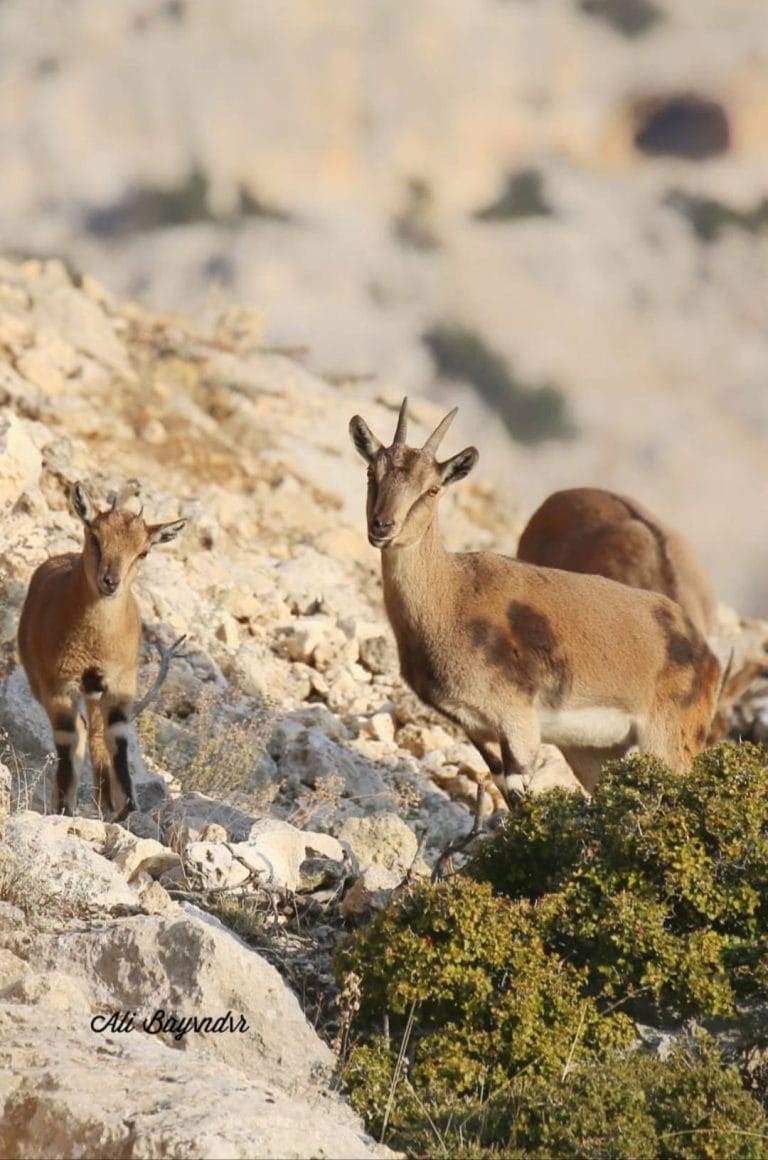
(164, 533)
(363, 438)
(459, 465)
(82, 504)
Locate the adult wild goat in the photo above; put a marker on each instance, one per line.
(79, 637)
(516, 654)
(586, 529)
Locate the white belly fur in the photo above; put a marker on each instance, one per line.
(593, 728)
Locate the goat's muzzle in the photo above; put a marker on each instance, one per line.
(380, 532)
(108, 584)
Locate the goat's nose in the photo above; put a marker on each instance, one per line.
(380, 525)
(110, 582)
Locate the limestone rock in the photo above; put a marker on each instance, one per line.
(193, 811)
(214, 866)
(381, 839)
(371, 891)
(20, 461)
(134, 856)
(275, 851)
(311, 756)
(53, 1107)
(187, 963)
(64, 873)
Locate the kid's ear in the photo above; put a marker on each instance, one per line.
(363, 438)
(82, 504)
(459, 465)
(164, 533)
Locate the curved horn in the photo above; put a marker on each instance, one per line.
(402, 423)
(437, 435)
(130, 490)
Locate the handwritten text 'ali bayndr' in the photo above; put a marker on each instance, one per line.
(176, 1025)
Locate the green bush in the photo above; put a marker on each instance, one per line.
(463, 980)
(658, 886)
(492, 1050)
(688, 1107)
(490, 1012)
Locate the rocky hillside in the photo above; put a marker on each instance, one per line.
(577, 188)
(283, 761)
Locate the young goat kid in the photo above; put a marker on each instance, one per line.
(586, 529)
(79, 637)
(516, 654)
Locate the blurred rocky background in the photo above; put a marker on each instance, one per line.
(554, 212)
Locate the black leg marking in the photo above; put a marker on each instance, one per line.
(65, 739)
(122, 771)
(117, 725)
(65, 778)
(93, 681)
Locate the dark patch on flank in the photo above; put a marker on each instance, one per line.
(701, 735)
(535, 634)
(680, 650)
(686, 650)
(93, 681)
(680, 646)
(527, 653)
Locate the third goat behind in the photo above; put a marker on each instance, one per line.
(586, 529)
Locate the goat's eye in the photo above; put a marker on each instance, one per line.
(143, 555)
(370, 473)
(433, 490)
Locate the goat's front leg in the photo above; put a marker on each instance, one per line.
(117, 715)
(519, 750)
(69, 737)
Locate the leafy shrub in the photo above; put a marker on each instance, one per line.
(486, 1019)
(463, 980)
(687, 1107)
(657, 885)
